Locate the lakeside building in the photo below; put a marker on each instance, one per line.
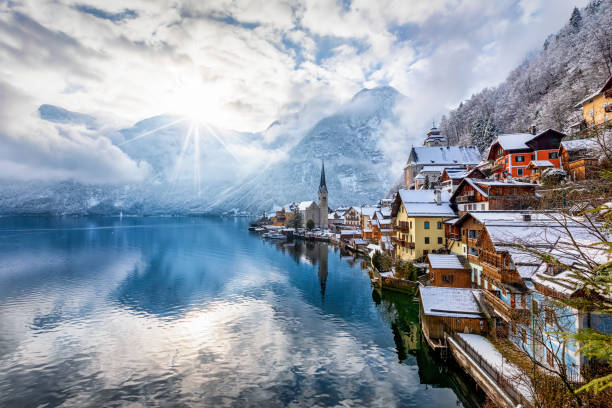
(580, 158)
(457, 309)
(596, 109)
(310, 210)
(418, 217)
(352, 217)
(511, 153)
(484, 195)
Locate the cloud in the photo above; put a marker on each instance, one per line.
(243, 64)
(35, 149)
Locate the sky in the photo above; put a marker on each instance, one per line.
(239, 64)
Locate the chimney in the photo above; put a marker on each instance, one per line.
(438, 196)
(532, 129)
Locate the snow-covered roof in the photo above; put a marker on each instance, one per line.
(514, 141)
(440, 169)
(439, 261)
(580, 144)
(385, 211)
(450, 302)
(304, 205)
(541, 163)
(420, 176)
(422, 203)
(449, 155)
(367, 211)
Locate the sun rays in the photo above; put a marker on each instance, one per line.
(191, 144)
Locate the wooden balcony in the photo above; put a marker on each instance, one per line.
(466, 199)
(403, 243)
(402, 227)
(502, 308)
(498, 168)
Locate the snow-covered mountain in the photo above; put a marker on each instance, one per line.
(196, 168)
(350, 143)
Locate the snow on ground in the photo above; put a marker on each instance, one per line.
(489, 353)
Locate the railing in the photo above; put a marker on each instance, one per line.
(402, 227)
(466, 199)
(521, 315)
(500, 379)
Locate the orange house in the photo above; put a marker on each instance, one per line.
(511, 153)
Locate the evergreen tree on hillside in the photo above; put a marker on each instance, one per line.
(484, 132)
(576, 19)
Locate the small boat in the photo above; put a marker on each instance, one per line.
(252, 228)
(276, 235)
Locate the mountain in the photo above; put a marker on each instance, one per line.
(545, 88)
(197, 168)
(349, 141)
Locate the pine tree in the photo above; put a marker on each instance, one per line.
(576, 20)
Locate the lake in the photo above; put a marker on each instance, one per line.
(197, 311)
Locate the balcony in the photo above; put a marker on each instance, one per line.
(470, 198)
(498, 168)
(403, 242)
(502, 308)
(402, 227)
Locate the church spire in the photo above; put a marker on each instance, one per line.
(322, 183)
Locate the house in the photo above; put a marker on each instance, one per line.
(511, 153)
(382, 228)
(483, 195)
(448, 270)
(580, 158)
(597, 107)
(445, 156)
(536, 167)
(456, 309)
(452, 176)
(352, 217)
(418, 217)
(366, 214)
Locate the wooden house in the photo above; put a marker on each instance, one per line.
(580, 157)
(486, 195)
(449, 271)
(511, 153)
(455, 309)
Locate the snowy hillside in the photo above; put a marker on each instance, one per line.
(544, 89)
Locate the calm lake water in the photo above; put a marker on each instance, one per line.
(200, 312)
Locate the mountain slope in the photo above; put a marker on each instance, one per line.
(350, 144)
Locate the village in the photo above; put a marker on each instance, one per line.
(498, 247)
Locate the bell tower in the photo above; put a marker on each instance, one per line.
(323, 205)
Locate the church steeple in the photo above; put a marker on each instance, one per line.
(323, 213)
(322, 184)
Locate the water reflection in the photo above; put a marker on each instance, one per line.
(192, 312)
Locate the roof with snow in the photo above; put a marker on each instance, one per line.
(422, 203)
(540, 163)
(304, 205)
(580, 144)
(450, 302)
(439, 261)
(448, 155)
(481, 184)
(514, 141)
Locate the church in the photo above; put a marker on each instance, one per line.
(310, 210)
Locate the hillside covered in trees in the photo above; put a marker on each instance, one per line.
(545, 88)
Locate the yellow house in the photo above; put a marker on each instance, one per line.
(597, 108)
(418, 222)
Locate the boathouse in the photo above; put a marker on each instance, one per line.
(454, 309)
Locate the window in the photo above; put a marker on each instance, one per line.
(500, 151)
(533, 157)
(519, 159)
(426, 224)
(519, 172)
(553, 155)
(440, 240)
(448, 278)
(439, 225)
(427, 240)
